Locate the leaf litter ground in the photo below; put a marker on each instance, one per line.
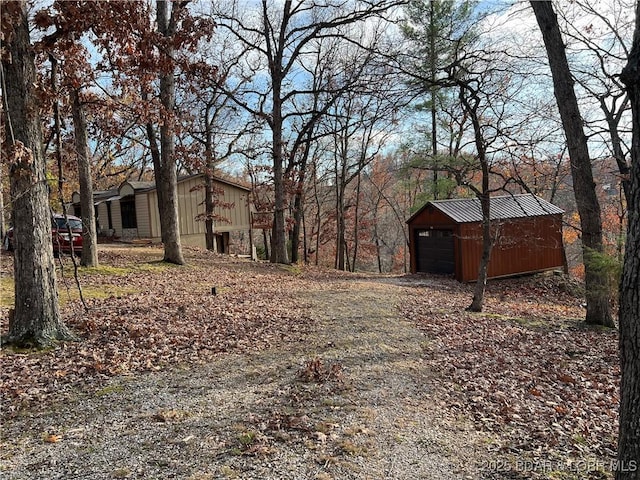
(311, 374)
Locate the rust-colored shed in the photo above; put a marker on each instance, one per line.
(445, 236)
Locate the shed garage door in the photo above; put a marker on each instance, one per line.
(434, 251)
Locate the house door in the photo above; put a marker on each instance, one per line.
(434, 251)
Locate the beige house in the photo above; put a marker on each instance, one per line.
(131, 212)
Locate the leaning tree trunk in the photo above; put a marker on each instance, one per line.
(596, 284)
(629, 314)
(471, 102)
(36, 319)
(167, 174)
(89, 234)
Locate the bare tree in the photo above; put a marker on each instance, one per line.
(221, 132)
(75, 73)
(281, 39)
(597, 292)
(165, 167)
(359, 124)
(89, 235)
(601, 48)
(36, 319)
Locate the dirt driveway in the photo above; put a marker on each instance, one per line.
(349, 401)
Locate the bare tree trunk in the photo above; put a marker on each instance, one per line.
(356, 224)
(377, 242)
(596, 285)
(209, 209)
(209, 196)
(318, 217)
(629, 313)
(297, 223)
(278, 234)
(470, 101)
(278, 237)
(36, 319)
(433, 92)
(266, 242)
(305, 244)
(340, 227)
(298, 204)
(3, 223)
(487, 245)
(167, 175)
(89, 233)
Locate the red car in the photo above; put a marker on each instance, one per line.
(60, 236)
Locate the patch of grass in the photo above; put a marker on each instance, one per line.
(293, 269)
(149, 266)
(121, 473)
(156, 266)
(171, 415)
(105, 270)
(229, 472)
(325, 427)
(89, 292)
(245, 439)
(7, 291)
(68, 290)
(352, 449)
(109, 390)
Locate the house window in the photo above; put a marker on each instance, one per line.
(128, 210)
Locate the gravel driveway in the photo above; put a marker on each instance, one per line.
(351, 401)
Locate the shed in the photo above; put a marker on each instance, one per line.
(445, 237)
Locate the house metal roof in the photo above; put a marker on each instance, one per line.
(467, 210)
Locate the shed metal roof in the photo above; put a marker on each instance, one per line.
(467, 210)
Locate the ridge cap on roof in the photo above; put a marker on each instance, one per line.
(474, 198)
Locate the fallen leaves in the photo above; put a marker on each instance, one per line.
(174, 320)
(51, 438)
(526, 369)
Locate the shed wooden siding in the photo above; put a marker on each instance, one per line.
(516, 250)
(524, 245)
